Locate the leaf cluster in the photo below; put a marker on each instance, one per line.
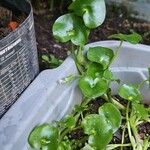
(94, 80)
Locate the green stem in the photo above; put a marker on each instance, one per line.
(114, 146)
(77, 143)
(146, 144)
(134, 130)
(116, 52)
(76, 60)
(142, 83)
(63, 133)
(114, 101)
(129, 128)
(118, 104)
(109, 95)
(123, 135)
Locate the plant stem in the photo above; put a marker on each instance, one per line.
(128, 127)
(114, 146)
(133, 120)
(63, 133)
(120, 106)
(116, 52)
(123, 135)
(142, 83)
(109, 95)
(76, 60)
(76, 144)
(114, 101)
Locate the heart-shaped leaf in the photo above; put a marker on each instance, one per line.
(112, 114)
(129, 92)
(70, 27)
(100, 55)
(93, 87)
(93, 11)
(99, 130)
(95, 70)
(133, 38)
(44, 137)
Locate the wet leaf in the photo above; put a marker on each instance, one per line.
(130, 92)
(93, 87)
(70, 27)
(133, 38)
(92, 11)
(95, 70)
(99, 130)
(100, 55)
(44, 136)
(112, 114)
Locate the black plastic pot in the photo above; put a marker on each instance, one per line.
(18, 56)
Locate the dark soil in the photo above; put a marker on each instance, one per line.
(144, 130)
(117, 21)
(7, 21)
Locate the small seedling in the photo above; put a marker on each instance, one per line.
(51, 60)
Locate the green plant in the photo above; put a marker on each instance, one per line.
(94, 80)
(51, 60)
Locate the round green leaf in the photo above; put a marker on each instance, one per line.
(70, 27)
(133, 38)
(91, 87)
(100, 55)
(93, 11)
(95, 70)
(63, 28)
(44, 136)
(99, 130)
(81, 33)
(112, 114)
(130, 92)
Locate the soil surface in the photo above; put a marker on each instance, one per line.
(9, 21)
